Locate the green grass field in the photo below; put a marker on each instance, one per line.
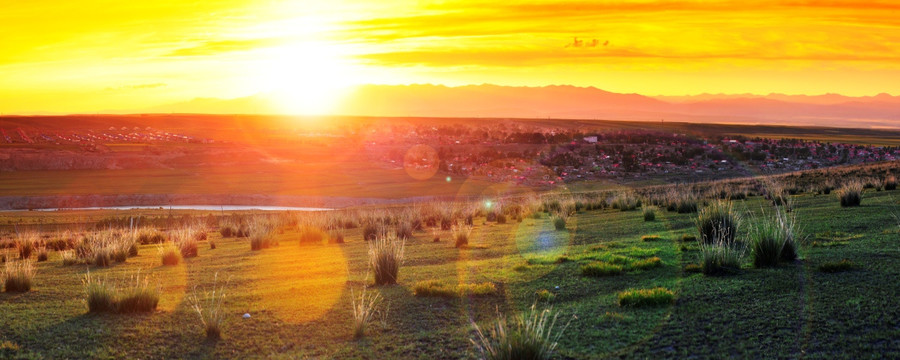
(299, 296)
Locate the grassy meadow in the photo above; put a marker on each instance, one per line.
(837, 300)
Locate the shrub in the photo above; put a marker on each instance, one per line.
(364, 309)
(461, 234)
(385, 258)
(851, 193)
(718, 223)
(646, 297)
(531, 335)
(649, 213)
(18, 276)
(890, 183)
(100, 296)
(209, 307)
(719, 259)
(169, 255)
(650, 238)
(600, 268)
(839, 266)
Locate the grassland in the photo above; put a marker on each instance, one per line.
(299, 296)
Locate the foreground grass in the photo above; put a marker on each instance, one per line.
(299, 297)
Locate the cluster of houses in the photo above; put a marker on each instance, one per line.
(545, 158)
(123, 135)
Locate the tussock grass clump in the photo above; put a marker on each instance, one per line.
(659, 296)
(436, 288)
(261, 235)
(404, 230)
(137, 296)
(461, 234)
(649, 213)
(890, 183)
(851, 193)
(68, 257)
(42, 254)
(364, 309)
(370, 231)
(309, 234)
(18, 276)
(149, 236)
(102, 257)
(209, 306)
(721, 259)
(385, 258)
(650, 238)
(682, 202)
(530, 335)
(169, 254)
(773, 240)
(718, 223)
(185, 240)
(837, 266)
(625, 201)
(100, 295)
(559, 220)
(601, 268)
(26, 243)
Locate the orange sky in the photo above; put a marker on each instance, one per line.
(102, 55)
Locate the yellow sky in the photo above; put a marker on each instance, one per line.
(101, 55)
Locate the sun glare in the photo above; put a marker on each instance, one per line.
(306, 77)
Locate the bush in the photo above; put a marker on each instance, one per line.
(839, 266)
(600, 268)
(649, 213)
(385, 258)
(100, 296)
(851, 194)
(531, 335)
(718, 223)
(646, 297)
(209, 307)
(170, 255)
(18, 276)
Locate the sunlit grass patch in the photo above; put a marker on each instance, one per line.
(644, 264)
(650, 238)
(601, 269)
(837, 266)
(437, 288)
(646, 297)
(544, 295)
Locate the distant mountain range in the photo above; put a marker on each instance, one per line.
(493, 101)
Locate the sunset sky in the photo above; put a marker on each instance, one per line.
(110, 55)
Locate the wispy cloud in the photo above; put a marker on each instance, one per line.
(208, 48)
